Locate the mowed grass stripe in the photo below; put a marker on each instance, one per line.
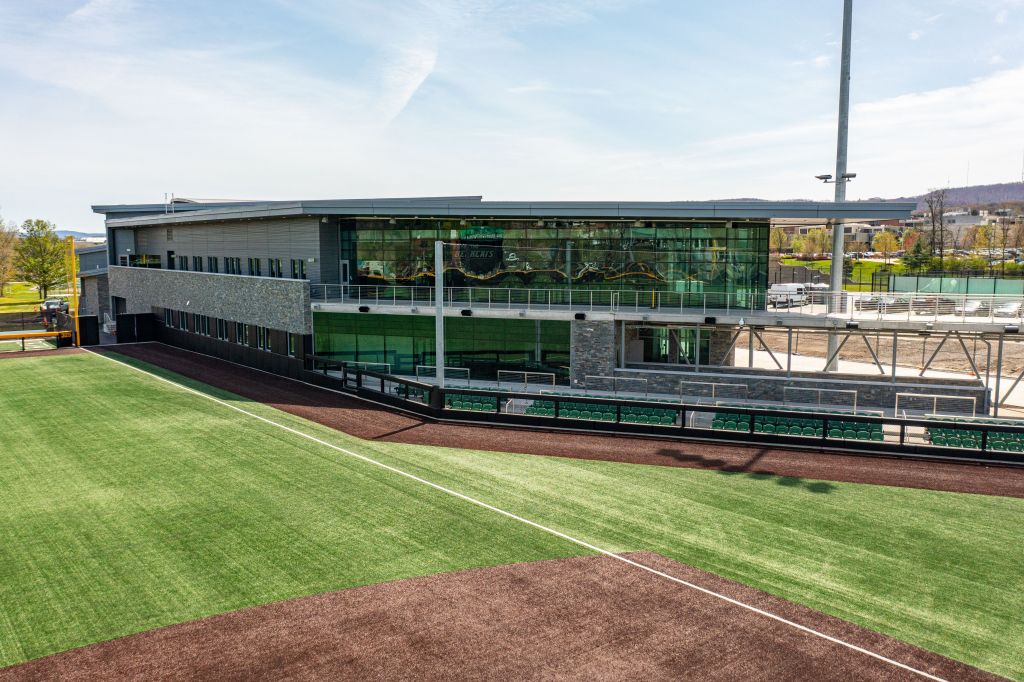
(940, 570)
(130, 504)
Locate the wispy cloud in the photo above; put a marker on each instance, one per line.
(110, 100)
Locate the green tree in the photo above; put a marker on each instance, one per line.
(917, 257)
(797, 244)
(8, 246)
(39, 257)
(885, 243)
(984, 236)
(820, 237)
(777, 239)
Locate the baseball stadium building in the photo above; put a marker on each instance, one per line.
(574, 289)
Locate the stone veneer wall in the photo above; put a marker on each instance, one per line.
(276, 303)
(593, 349)
(95, 296)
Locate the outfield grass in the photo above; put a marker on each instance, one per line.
(135, 521)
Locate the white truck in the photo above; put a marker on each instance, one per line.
(787, 295)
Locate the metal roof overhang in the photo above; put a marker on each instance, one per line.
(461, 208)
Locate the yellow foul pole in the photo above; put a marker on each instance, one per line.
(72, 270)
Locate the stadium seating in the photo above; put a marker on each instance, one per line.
(473, 403)
(968, 438)
(597, 412)
(797, 426)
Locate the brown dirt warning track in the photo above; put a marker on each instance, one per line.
(38, 353)
(590, 618)
(367, 420)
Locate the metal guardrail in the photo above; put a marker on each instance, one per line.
(851, 306)
(987, 440)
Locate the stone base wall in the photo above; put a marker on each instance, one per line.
(873, 392)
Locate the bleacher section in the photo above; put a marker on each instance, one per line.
(798, 426)
(474, 403)
(971, 438)
(842, 427)
(596, 412)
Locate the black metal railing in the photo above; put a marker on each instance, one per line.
(962, 438)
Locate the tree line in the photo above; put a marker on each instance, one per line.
(31, 253)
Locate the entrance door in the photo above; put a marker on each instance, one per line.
(170, 260)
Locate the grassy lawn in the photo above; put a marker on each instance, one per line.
(137, 521)
(20, 297)
(862, 270)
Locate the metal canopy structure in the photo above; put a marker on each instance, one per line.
(144, 215)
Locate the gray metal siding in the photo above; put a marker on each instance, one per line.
(295, 238)
(330, 252)
(124, 243)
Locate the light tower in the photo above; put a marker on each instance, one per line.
(841, 178)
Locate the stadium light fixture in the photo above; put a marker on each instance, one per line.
(827, 178)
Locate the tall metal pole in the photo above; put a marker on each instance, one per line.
(439, 312)
(842, 143)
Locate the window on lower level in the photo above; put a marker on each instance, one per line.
(261, 338)
(183, 263)
(212, 264)
(298, 268)
(241, 333)
(168, 318)
(183, 321)
(275, 267)
(232, 265)
(197, 263)
(222, 330)
(291, 344)
(254, 267)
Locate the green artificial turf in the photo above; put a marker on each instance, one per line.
(165, 506)
(129, 504)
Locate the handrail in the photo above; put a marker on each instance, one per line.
(850, 306)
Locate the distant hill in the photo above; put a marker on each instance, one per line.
(976, 195)
(79, 235)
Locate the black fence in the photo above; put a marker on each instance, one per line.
(10, 322)
(968, 439)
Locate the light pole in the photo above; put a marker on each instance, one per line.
(841, 178)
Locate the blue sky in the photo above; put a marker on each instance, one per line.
(122, 100)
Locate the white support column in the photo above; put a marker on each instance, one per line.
(439, 312)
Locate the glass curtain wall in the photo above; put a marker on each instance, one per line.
(677, 261)
(483, 345)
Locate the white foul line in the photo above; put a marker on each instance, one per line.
(528, 522)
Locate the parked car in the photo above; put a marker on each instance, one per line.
(932, 305)
(54, 305)
(884, 303)
(787, 295)
(1009, 309)
(972, 308)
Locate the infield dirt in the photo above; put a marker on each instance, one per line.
(593, 618)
